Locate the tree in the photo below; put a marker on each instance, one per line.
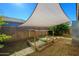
(59, 29)
(1, 21)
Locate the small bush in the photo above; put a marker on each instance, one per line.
(1, 21)
(59, 29)
(4, 37)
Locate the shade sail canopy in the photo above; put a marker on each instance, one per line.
(46, 15)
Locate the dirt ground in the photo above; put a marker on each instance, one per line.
(12, 47)
(61, 47)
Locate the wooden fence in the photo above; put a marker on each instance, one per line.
(22, 33)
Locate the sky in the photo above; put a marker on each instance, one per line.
(17, 10)
(24, 10)
(70, 10)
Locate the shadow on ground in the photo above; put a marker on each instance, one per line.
(13, 47)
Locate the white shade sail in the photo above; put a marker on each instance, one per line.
(45, 15)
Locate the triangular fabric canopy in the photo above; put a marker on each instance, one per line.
(45, 15)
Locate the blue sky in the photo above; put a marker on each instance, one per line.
(23, 11)
(70, 10)
(17, 10)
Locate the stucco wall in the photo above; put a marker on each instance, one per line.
(75, 33)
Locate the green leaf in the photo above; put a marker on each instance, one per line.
(4, 37)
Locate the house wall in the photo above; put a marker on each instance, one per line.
(75, 33)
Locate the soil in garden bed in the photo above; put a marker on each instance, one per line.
(12, 47)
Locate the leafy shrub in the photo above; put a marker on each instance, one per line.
(1, 21)
(4, 37)
(59, 29)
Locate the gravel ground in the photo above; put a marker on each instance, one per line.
(61, 47)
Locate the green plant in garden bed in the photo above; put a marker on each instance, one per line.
(4, 37)
(43, 39)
